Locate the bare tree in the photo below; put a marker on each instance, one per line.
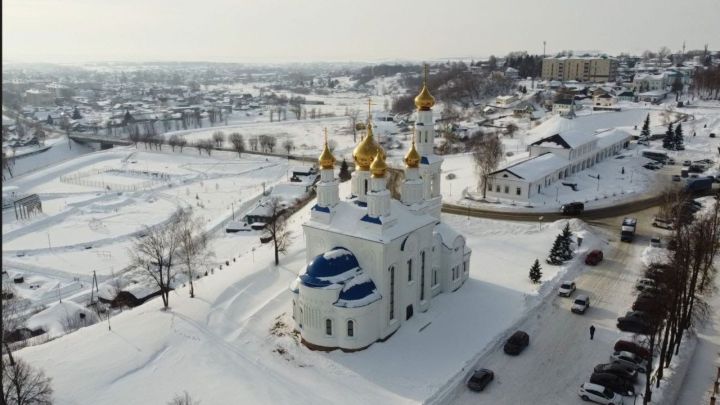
(277, 227)
(353, 115)
(22, 384)
(332, 144)
(155, 253)
(663, 52)
(487, 155)
(394, 182)
(183, 399)
(219, 138)
(288, 145)
(181, 143)
(173, 141)
(510, 129)
(193, 246)
(13, 311)
(253, 143)
(238, 143)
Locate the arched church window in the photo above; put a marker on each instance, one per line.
(350, 328)
(328, 327)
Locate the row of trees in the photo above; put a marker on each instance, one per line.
(683, 284)
(706, 83)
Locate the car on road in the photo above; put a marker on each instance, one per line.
(632, 347)
(594, 257)
(656, 242)
(652, 166)
(686, 163)
(480, 379)
(628, 359)
(627, 373)
(566, 288)
(598, 393)
(516, 343)
(573, 208)
(676, 177)
(581, 304)
(616, 384)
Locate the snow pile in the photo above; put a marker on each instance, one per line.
(654, 255)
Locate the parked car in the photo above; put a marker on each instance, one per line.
(566, 288)
(628, 359)
(620, 370)
(640, 316)
(594, 257)
(664, 223)
(656, 242)
(652, 166)
(573, 208)
(516, 343)
(616, 384)
(632, 347)
(598, 393)
(581, 304)
(643, 304)
(676, 177)
(686, 163)
(480, 379)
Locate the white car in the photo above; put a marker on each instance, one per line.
(598, 393)
(566, 288)
(655, 242)
(581, 304)
(629, 360)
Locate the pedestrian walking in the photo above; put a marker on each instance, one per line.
(592, 332)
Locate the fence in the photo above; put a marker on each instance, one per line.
(80, 178)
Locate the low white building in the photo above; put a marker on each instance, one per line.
(554, 158)
(564, 107)
(603, 100)
(505, 100)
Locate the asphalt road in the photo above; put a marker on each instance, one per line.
(561, 356)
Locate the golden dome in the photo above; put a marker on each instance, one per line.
(326, 159)
(366, 150)
(424, 101)
(412, 158)
(378, 166)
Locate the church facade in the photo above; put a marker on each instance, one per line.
(374, 261)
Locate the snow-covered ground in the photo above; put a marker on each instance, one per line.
(222, 340)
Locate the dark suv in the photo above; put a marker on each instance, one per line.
(632, 347)
(516, 343)
(573, 208)
(480, 379)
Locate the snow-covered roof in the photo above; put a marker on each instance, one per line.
(348, 219)
(447, 234)
(567, 139)
(56, 319)
(611, 137)
(536, 168)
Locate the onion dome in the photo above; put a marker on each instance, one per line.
(366, 150)
(326, 159)
(424, 101)
(412, 158)
(378, 166)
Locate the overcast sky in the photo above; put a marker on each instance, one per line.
(339, 30)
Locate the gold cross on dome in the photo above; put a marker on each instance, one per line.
(325, 130)
(370, 103)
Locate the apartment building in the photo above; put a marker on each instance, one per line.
(582, 69)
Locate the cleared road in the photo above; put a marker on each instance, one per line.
(561, 355)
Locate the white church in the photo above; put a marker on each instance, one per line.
(374, 261)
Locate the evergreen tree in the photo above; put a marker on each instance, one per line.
(76, 114)
(669, 139)
(645, 133)
(678, 141)
(556, 255)
(344, 171)
(535, 272)
(566, 236)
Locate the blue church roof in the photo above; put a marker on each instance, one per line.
(331, 267)
(359, 292)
